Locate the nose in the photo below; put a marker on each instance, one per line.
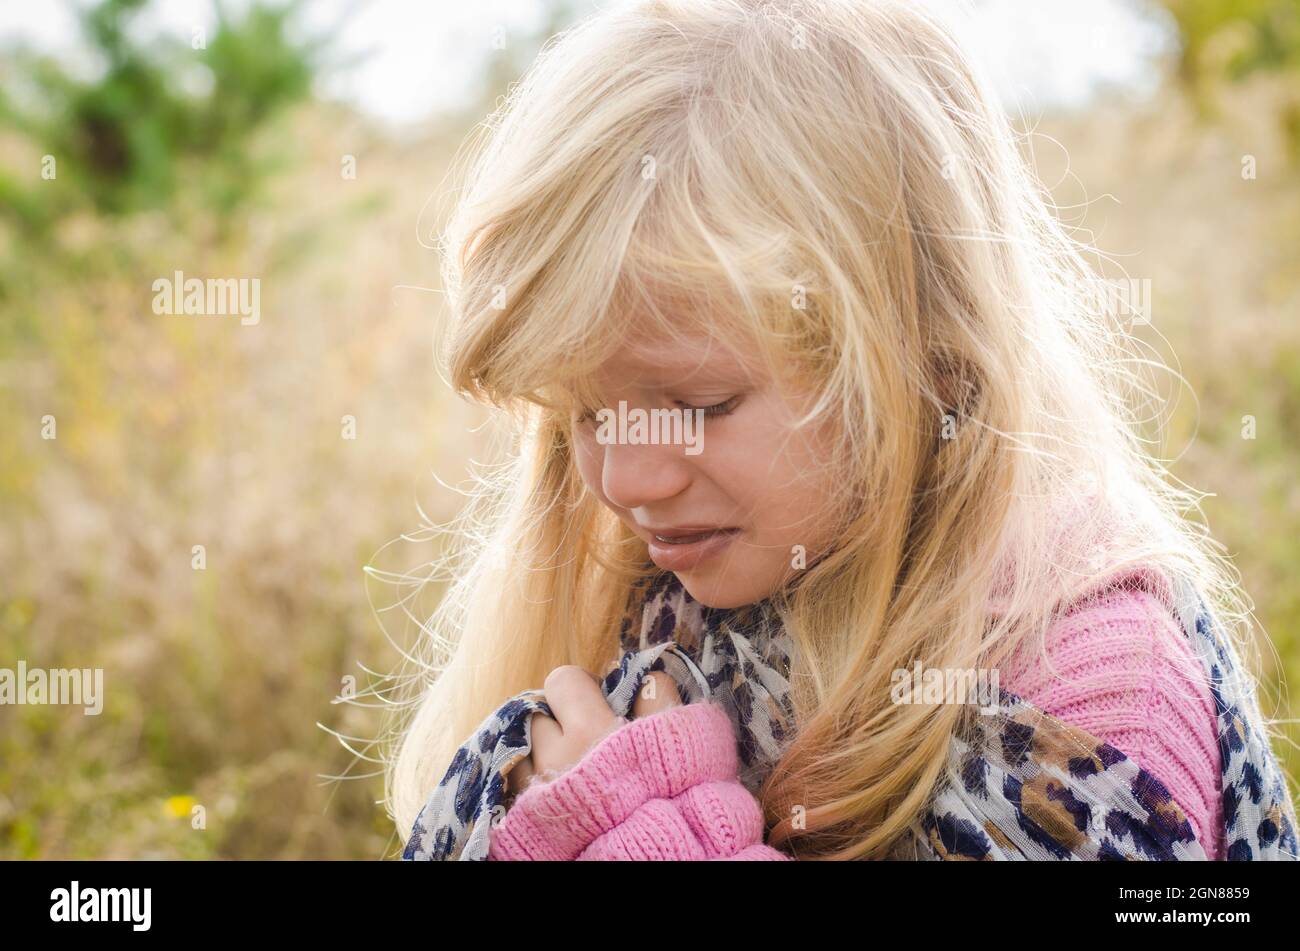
(634, 475)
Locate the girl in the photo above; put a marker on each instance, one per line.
(808, 225)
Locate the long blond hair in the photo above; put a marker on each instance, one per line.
(832, 183)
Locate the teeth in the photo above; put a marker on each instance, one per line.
(683, 539)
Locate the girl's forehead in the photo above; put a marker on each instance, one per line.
(667, 358)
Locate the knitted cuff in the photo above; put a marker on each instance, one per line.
(708, 822)
(654, 757)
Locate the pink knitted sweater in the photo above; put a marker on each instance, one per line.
(665, 786)
(1124, 671)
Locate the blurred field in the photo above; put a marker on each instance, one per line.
(175, 432)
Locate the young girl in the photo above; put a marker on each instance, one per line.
(807, 228)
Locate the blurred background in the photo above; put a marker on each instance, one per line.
(189, 503)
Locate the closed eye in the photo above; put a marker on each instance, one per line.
(587, 416)
(717, 409)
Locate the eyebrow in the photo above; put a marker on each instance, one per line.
(670, 376)
(717, 363)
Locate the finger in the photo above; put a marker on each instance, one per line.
(546, 733)
(546, 740)
(658, 693)
(518, 776)
(574, 697)
(520, 773)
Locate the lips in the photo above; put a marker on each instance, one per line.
(682, 548)
(684, 536)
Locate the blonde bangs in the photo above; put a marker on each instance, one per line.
(654, 234)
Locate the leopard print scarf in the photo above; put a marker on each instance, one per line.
(1023, 785)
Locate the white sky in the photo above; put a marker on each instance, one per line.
(424, 54)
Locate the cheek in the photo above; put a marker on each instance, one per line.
(589, 460)
(791, 491)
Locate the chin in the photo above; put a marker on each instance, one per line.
(721, 592)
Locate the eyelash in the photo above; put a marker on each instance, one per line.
(726, 407)
(718, 409)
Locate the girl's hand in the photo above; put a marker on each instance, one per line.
(582, 719)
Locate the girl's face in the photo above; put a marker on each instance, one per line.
(735, 508)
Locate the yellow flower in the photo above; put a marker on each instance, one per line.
(179, 807)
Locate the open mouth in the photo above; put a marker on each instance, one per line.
(683, 550)
(687, 538)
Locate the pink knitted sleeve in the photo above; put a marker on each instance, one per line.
(662, 787)
(1125, 672)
